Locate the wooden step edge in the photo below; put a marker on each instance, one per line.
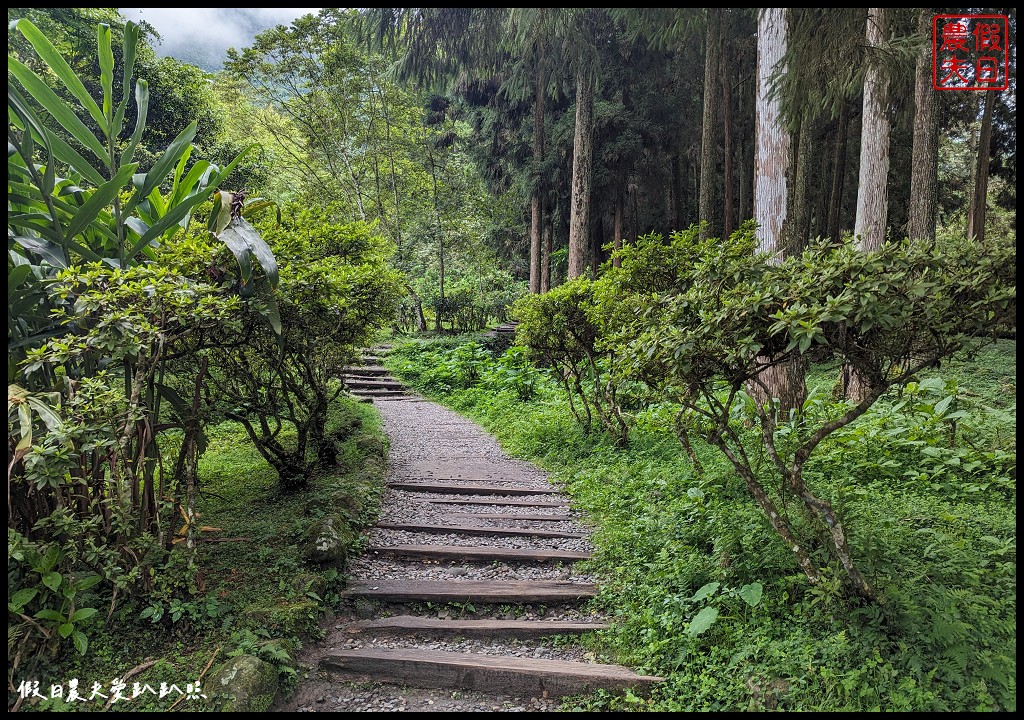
(479, 530)
(482, 591)
(459, 552)
(516, 676)
(468, 489)
(495, 502)
(414, 625)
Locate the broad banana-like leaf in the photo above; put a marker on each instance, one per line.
(220, 216)
(15, 277)
(58, 109)
(59, 66)
(48, 251)
(243, 240)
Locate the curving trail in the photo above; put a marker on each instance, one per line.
(468, 578)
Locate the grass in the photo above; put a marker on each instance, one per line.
(249, 590)
(704, 594)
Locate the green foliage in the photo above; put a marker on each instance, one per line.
(702, 323)
(563, 332)
(941, 636)
(276, 370)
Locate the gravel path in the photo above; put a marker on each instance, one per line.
(430, 441)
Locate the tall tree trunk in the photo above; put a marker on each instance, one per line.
(771, 154)
(872, 190)
(706, 210)
(772, 177)
(835, 205)
(803, 156)
(925, 157)
(976, 219)
(535, 201)
(727, 151)
(617, 228)
(583, 150)
(440, 245)
(676, 206)
(545, 267)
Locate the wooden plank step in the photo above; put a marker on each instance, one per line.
(372, 370)
(378, 392)
(483, 591)
(535, 517)
(460, 488)
(414, 625)
(521, 677)
(478, 530)
(374, 384)
(496, 502)
(464, 552)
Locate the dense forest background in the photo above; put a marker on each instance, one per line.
(739, 244)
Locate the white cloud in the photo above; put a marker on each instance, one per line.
(209, 32)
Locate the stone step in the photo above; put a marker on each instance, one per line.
(486, 554)
(496, 502)
(477, 530)
(413, 625)
(520, 677)
(534, 517)
(475, 591)
(460, 488)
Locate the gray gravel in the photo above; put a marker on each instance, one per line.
(430, 442)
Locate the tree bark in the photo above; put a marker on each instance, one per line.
(772, 177)
(617, 229)
(535, 201)
(583, 149)
(872, 191)
(545, 266)
(706, 211)
(976, 220)
(771, 154)
(835, 205)
(727, 151)
(925, 157)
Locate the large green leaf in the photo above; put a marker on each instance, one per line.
(162, 167)
(128, 52)
(106, 58)
(48, 54)
(100, 198)
(48, 251)
(64, 115)
(702, 621)
(173, 217)
(243, 240)
(142, 103)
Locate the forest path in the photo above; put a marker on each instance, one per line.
(466, 598)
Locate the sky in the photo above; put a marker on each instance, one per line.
(202, 35)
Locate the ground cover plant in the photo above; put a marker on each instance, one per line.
(251, 588)
(703, 595)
